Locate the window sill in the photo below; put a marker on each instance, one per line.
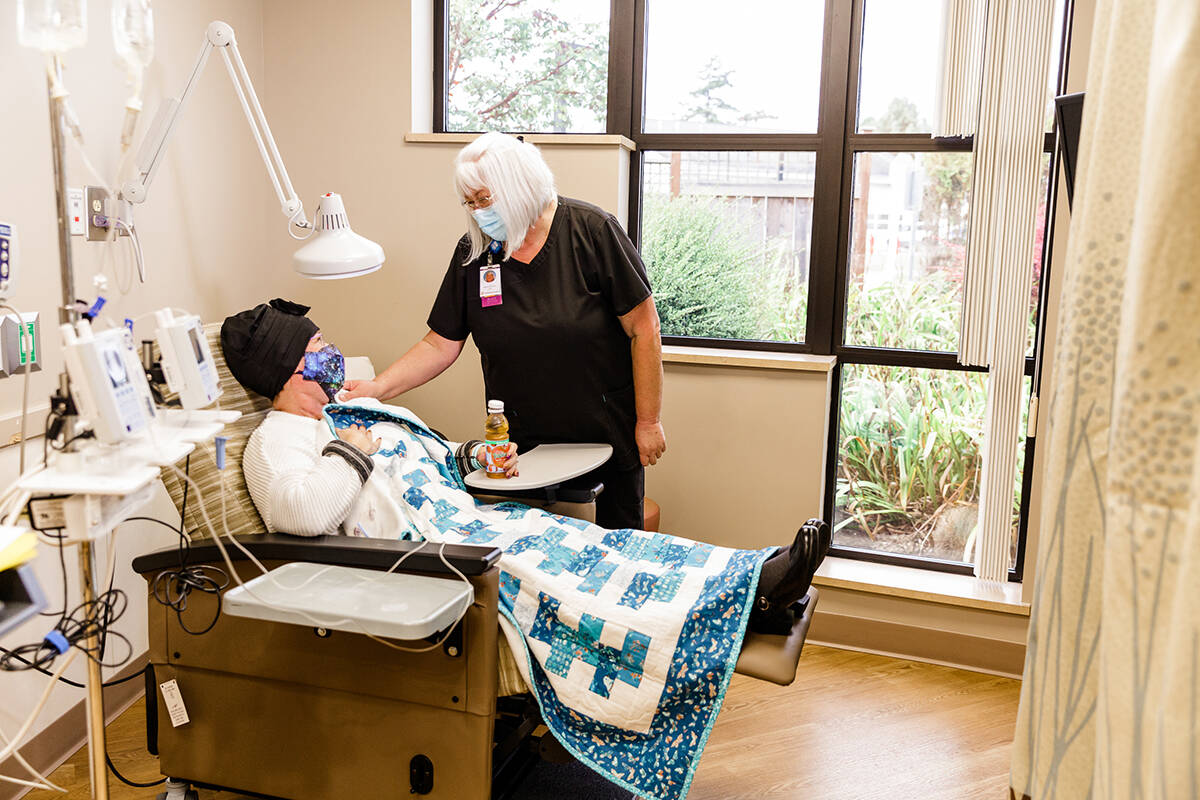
(919, 584)
(761, 359)
(589, 139)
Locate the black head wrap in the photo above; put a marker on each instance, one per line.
(263, 345)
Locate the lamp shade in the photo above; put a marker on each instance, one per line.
(334, 250)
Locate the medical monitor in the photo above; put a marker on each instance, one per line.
(107, 382)
(187, 361)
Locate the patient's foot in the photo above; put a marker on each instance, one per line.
(786, 576)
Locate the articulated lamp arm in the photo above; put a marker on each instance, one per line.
(150, 155)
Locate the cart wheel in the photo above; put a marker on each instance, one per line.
(177, 790)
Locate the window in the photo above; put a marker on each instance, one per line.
(786, 194)
(528, 65)
(726, 78)
(726, 236)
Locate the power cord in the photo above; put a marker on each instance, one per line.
(93, 618)
(113, 769)
(173, 587)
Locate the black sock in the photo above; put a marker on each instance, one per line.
(775, 569)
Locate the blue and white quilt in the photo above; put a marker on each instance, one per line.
(629, 638)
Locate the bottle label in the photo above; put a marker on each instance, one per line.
(494, 451)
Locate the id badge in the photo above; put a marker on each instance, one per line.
(489, 286)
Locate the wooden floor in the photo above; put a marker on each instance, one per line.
(852, 727)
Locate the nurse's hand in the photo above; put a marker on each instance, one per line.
(353, 389)
(651, 442)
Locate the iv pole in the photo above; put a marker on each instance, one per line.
(87, 556)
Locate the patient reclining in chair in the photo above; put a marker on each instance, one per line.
(627, 639)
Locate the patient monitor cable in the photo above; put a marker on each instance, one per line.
(172, 587)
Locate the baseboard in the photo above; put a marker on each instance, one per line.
(947, 648)
(62, 738)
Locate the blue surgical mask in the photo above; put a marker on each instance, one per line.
(326, 367)
(489, 221)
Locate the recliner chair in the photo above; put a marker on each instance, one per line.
(289, 711)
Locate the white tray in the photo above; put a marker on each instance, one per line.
(388, 604)
(545, 465)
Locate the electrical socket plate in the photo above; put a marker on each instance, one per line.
(98, 205)
(94, 197)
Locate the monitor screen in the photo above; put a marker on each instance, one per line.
(1068, 112)
(114, 366)
(194, 335)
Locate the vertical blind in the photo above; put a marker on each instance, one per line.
(959, 67)
(1007, 147)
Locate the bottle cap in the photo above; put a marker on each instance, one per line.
(495, 406)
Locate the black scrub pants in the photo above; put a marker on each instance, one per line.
(620, 505)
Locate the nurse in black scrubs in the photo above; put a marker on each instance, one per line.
(559, 303)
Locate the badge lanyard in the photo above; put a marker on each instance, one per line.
(489, 279)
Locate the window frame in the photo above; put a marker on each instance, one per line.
(835, 144)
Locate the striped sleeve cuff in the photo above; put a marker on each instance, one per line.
(466, 464)
(356, 458)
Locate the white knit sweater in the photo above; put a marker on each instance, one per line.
(300, 491)
(294, 487)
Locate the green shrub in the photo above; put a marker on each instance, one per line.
(712, 280)
(704, 271)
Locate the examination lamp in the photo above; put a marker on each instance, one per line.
(333, 249)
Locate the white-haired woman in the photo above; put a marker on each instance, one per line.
(559, 303)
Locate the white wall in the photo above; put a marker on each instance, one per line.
(202, 229)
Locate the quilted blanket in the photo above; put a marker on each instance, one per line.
(628, 639)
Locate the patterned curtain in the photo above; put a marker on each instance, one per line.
(1110, 704)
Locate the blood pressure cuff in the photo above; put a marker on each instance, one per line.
(264, 345)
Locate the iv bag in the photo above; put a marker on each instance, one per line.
(52, 26)
(133, 32)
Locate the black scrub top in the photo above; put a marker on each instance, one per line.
(553, 350)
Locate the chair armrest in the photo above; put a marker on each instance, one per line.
(344, 551)
(583, 489)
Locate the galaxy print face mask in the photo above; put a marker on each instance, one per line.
(327, 367)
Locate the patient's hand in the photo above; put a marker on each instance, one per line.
(360, 437)
(509, 462)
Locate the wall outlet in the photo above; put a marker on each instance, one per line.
(76, 213)
(99, 209)
(21, 343)
(97, 222)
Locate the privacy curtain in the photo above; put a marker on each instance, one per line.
(1109, 704)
